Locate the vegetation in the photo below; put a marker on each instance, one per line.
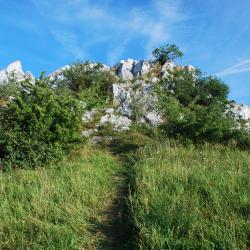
(169, 52)
(188, 198)
(89, 82)
(37, 125)
(58, 207)
(195, 107)
(140, 190)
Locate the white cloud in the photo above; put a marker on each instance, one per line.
(243, 66)
(70, 42)
(73, 21)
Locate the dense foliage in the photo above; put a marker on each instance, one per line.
(167, 53)
(37, 125)
(89, 82)
(195, 107)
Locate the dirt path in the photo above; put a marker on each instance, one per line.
(118, 227)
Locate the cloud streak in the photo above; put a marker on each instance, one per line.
(79, 25)
(243, 66)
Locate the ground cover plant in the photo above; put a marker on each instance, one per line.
(187, 198)
(61, 206)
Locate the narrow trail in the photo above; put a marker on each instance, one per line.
(118, 228)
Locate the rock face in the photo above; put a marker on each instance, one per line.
(14, 71)
(130, 69)
(118, 122)
(242, 111)
(141, 68)
(125, 69)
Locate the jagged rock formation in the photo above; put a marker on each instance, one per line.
(15, 72)
(133, 96)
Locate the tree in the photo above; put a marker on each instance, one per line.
(166, 53)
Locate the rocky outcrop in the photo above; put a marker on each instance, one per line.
(15, 72)
(58, 74)
(134, 98)
(118, 122)
(130, 69)
(241, 110)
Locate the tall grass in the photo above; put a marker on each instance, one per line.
(192, 198)
(57, 207)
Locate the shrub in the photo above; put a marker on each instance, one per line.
(167, 53)
(38, 125)
(194, 107)
(90, 83)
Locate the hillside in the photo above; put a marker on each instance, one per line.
(141, 155)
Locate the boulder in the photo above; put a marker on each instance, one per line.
(168, 66)
(89, 116)
(141, 68)
(13, 71)
(122, 98)
(153, 118)
(89, 132)
(118, 122)
(125, 69)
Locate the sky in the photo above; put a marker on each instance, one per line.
(48, 34)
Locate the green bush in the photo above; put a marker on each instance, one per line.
(37, 125)
(195, 107)
(90, 83)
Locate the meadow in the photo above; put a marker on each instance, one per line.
(61, 206)
(191, 198)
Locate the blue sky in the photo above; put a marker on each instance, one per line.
(47, 34)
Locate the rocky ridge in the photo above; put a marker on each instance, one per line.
(134, 93)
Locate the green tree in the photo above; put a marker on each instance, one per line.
(167, 53)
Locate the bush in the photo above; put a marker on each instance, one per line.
(194, 107)
(90, 83)
(38, 125)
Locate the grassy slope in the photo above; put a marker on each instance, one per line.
(182, 199)
(192, 199)
(58, 207)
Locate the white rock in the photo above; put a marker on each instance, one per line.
(109, 111)
(241, 110)
(29, 76)
(105, 68)
(190, 68)
(153, 118)
(89, 132)
(89, 115)
(3, 77)
(57, 75)
(122, 99)
(119, 123)
(141, 68)
(13, 71)
(125, 69)
(168, 66)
